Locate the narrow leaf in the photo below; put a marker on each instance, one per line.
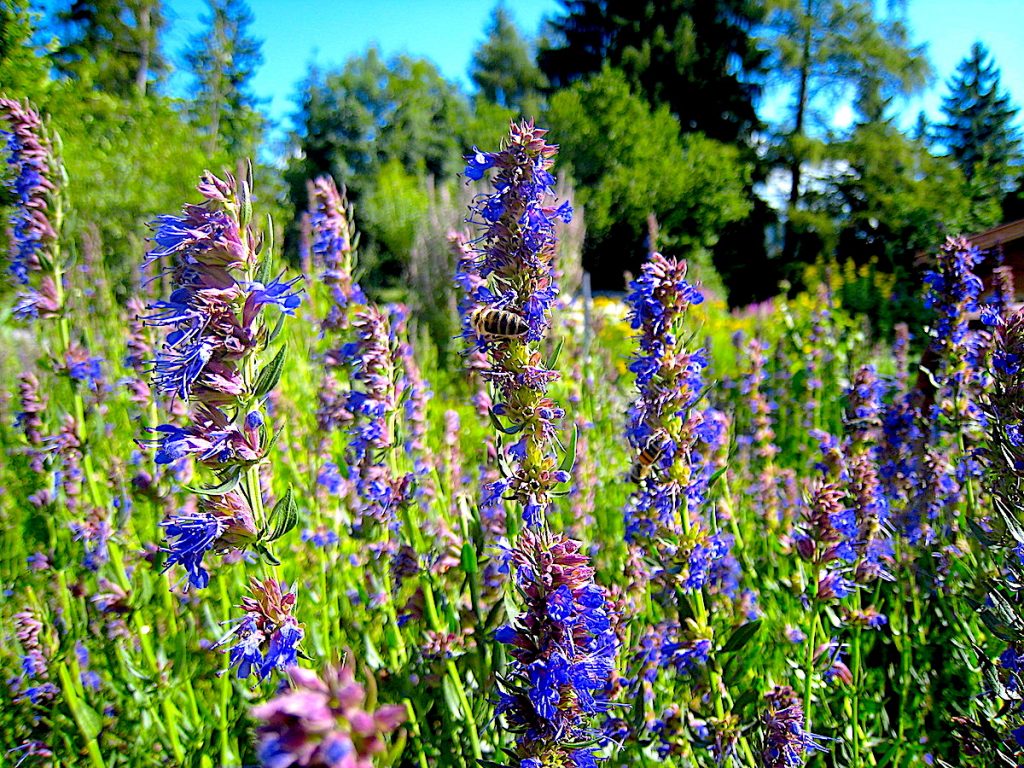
(469, 564)
(263, 273)
(283, 517)
(269, 556)
(277, 328)
(498, 425)
(271, 374)
(715, 477)
(570, 453)
(227, 484)
(554, 355)
(741, 636)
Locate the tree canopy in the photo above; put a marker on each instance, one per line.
(979, 134)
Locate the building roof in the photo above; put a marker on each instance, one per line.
(1011, 233)
(1004, 233)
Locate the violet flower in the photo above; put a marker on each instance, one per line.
(221, 524)
(562, 642)
(372, 402)
(665, 424)
(331, 246)
(267, 636)
(34, 682)
(30, 230)
(323, 722)
(786, 743)
(216, 330)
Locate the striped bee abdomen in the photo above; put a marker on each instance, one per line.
(498, 323)
(648, 455)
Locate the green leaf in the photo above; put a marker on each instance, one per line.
(570, 454)
(263, 272)
(554, 355)
(89, 720)
(283, 516)
(371, 655)
(227, 484)
(277, 328)
(494, 617)
(741, 636)
(269, 556)
(715, 477)
(245, 193)
(980, 533)
(273, 441)
(747, 697)
(452, 700)
(498, 425)
(998, 628)
(270, 237)
(1013, 526)
(271, 374)
(469, 564)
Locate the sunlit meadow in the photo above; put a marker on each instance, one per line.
(249, 517)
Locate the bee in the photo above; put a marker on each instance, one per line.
(653, 450)
(498, 323)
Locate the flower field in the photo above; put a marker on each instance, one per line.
(250, 518)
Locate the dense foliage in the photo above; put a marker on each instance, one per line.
(376, 481)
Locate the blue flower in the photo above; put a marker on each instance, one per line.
(546, 680)
(87, 370)
(282, 651)
(277, 293)
(477, 164)
(247, 654)
(190, 536)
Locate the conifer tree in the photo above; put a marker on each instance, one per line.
(822, 49)
(113, 46)
(223, 59)
(504, 68)
(699, 58)
(979, 133)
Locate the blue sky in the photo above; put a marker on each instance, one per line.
(296, 33)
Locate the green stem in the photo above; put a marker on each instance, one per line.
(855, 694)
(809, 657)
(226, 755)
(453, 674)
(78, 714)
(421, 757)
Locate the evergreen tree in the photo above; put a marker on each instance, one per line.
(979, 133)
(698, 57)
(223, 60)
(504, 69)
(821, 50)
(112, 46)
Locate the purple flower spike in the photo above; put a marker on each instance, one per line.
(786, 743)
(28, 156)
(268, 636)
(563, 647)
(507, 274)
